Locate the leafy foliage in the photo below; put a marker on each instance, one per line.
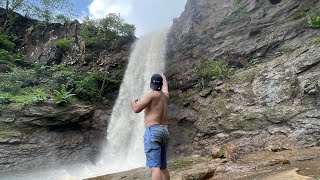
(87, 87)
(199, 85)
(64, 44)
(314, 22)
(63, 19)
(39, 95)
(12, 59)
(16, 79)
(5, 43)
(39, 9)
(40, 83)
(63, 95)
(107, 33)
(61, 75)
(5, 98)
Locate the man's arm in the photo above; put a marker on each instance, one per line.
(165, 85)
(138, 106)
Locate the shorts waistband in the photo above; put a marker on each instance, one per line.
(156, 125)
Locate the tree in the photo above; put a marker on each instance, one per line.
(109, 32)
(38, 9)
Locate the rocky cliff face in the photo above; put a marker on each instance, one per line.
(271, 99)
(46, 134)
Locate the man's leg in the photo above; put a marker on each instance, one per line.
(165, 174)
(156, 173)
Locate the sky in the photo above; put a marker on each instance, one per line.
(146, 15)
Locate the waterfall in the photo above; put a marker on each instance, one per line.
(124, 146)
(124, 141)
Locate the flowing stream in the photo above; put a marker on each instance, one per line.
(124, 142)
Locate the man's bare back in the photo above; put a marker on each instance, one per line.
(156, 112)
(155, 104)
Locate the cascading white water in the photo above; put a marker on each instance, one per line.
(124, 146)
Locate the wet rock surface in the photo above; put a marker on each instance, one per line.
(288, 164)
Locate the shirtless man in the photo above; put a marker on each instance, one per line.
(156, 136)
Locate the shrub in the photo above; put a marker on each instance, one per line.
(199, 85)
(87, 87)
(5, 98)
(5, 43)
(16, 79)
(61, 75)
(11, 58)
(39, 95)
(314, 22)
(64, 44)
(63, 95)
(212, 67)
(23, 99)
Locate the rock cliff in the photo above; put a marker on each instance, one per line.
(269, 100)
(46, 134)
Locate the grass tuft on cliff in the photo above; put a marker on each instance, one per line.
(213, 67)
(314, 22)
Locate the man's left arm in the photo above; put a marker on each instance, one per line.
(137, 105)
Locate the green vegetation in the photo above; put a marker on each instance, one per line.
(39, 9)
(105, 34)
(7, 57)
(6, 98)
(314, 22)
(200, 85)
(43, 10)
(212, 67)
(64, 44)
(287, 49)
(313, 41)
(63, 95)
(39, 82)
(5, 134)
(299, 14)
(87, 87)
(63, 19)
(237, 2)
(25, 86)
(11, 59)
(5, 43)
(240, 14)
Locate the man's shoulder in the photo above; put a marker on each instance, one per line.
(154, 94)
(151, 94)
